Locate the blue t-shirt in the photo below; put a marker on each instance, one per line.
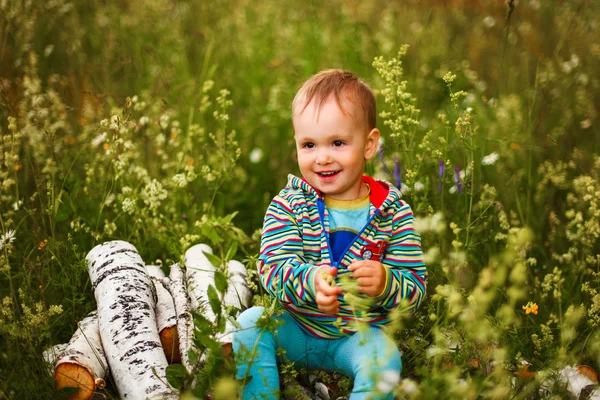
(346, 219)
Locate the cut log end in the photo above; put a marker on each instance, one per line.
(76, 376)
(227, 349)
(170, 344)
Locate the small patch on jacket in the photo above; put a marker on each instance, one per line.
(374, 250)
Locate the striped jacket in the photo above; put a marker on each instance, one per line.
(294, 244)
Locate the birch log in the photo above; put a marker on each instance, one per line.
(51, 355)
(126, 299)
(166, 319)
(238, 293)
(83, 363)
(185, 323)
(201, 274)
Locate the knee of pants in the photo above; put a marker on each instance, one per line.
(247, 334)
(249, 317)
(247, 338)
(386, 351)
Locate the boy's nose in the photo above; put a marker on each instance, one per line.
(323, 157)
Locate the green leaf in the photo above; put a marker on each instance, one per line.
(212, 234)
(176, 374)
(193, 356)
(221, 281)
(213, 300)
(214, 260)
(228, 218)
(231, 251)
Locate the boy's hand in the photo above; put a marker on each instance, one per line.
(370, 276)
(327, 294)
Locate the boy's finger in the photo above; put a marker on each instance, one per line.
(329, 290)
(356, 264)
(324, 300)
(362, 271)
(365, 281)
(332, 310)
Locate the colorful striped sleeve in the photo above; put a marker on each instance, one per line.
(406, 272)
(283, 270)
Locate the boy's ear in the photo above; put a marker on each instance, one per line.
(372, 143)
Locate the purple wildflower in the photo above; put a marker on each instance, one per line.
(441, 172)
(459, 185)
(380, 152)
(397, 173)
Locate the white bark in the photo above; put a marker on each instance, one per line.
(85, 349)
(165, 308)
(201, 274)
(238, 293)
(185, 324)
(126, 299)
(51, 354)
(155, 271)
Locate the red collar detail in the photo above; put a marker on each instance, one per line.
(379, 190)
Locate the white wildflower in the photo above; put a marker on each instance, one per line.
(408, 386)
(490, 159)
(100, 138)
(566, 66)
(7, 238)
(404, 188)
(134, 99)
(574, 61)
(453, 189)
(129, 206)
(419, 186)
(144, 120)
(180, 180)
(164, 121)
(153, 194)
(489, 21)
(109, 199)
(17, 204)
(114, 122)
(389, 380)
(256, 155)
(48, 50)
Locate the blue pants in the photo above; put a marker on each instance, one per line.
(370, 357)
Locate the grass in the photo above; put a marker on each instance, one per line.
(109, 132)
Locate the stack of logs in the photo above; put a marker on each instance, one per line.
(143, 321)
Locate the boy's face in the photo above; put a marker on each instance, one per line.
(332, 150)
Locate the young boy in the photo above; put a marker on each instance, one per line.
(322, 234)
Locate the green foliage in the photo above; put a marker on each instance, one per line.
(115, 124)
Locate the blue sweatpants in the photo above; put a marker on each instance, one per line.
(370, 357)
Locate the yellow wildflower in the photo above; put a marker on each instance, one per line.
(531, 307)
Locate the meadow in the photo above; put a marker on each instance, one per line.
(167, 123)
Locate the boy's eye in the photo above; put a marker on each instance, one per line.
(338, 143)
(308, 145)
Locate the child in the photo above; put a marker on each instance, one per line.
(322, 234)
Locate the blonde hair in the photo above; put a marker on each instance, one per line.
(337, 82)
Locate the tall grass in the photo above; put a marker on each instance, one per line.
(136, 121)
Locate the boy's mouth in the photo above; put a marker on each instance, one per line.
(328, 174)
